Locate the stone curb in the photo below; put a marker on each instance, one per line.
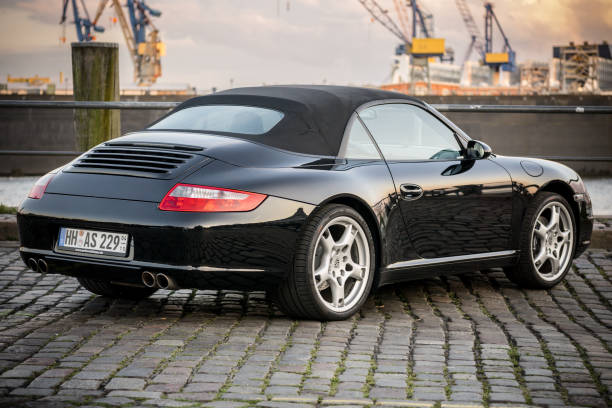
(8, 227)
(602, 233)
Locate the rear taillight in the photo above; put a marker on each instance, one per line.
(189, 197)
(39, 188)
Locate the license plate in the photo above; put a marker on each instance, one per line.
(93, 242)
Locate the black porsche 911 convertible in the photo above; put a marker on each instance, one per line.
(315, 193)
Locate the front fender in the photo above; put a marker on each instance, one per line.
(554, 177)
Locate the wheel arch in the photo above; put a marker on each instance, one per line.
(565, 191)
(368, 215)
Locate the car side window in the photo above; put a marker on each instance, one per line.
(407, 132)
(359, 144)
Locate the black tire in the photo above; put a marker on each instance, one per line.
(108, 289)
(297, 295)
(525, 273)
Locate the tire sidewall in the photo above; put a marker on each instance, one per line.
(527, 243)
(335, 212)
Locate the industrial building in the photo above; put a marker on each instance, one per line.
(585, 68)
(582, 68)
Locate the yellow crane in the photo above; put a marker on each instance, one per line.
(416, 37)
(146, 49)
(31, 81)
(141, 35)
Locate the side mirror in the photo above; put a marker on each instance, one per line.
(477, 150)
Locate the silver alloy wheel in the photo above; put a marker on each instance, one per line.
(552, 240)
(341, 264)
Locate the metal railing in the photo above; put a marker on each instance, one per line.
(523, 108)
(87, 104)
(146, 105)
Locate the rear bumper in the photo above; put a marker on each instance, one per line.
(199, 250)
(202, 277)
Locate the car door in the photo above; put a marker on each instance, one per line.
(451, 206)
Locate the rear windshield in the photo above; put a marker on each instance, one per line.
(248, 120)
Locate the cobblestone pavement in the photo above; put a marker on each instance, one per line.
(455, 342)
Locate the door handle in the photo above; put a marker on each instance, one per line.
(411, 192)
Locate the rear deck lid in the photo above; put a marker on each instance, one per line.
(139, 171)
(233, 150)
(138, 159)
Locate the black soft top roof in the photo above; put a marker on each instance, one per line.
(315, 115)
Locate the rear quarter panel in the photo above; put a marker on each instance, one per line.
(370, 183)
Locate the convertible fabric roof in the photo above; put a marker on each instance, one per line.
(315, 115)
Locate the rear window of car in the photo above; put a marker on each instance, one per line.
(247, 120)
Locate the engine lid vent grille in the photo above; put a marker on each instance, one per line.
(134, 161)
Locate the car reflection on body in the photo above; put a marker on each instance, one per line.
(315, 193)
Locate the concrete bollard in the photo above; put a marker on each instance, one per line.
(95, 73)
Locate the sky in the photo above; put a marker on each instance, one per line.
(229, 43)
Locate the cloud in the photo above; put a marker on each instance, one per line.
(46, 12)
(261, 41)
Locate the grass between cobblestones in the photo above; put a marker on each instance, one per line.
(445, 347)
(543, 345)
(341, 364)
(313, 354)
(513, 353)
(486, 388)
(410, 376)
(287, 344)
(492, 343)
(572, 291)
(603, 391)
(602, 298)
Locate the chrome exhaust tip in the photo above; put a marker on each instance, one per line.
(148, 279)
(165, 282)
(42, 266)
(32, 264)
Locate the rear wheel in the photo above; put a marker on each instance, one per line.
(333, 266)
(547, 243)
(108, 289)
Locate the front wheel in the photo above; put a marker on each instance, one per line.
(333, 266)
(547, 243)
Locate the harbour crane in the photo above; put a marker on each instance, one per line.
(419, 49)
(476, 38)
(146, 49)
(504, 60)
(402, 16)
(423, 26)
(145, 46)
(83, 25)
(422, 20)
(382, 16)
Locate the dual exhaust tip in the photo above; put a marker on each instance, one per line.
(158, 280)
(38, 265)
(150, 280)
